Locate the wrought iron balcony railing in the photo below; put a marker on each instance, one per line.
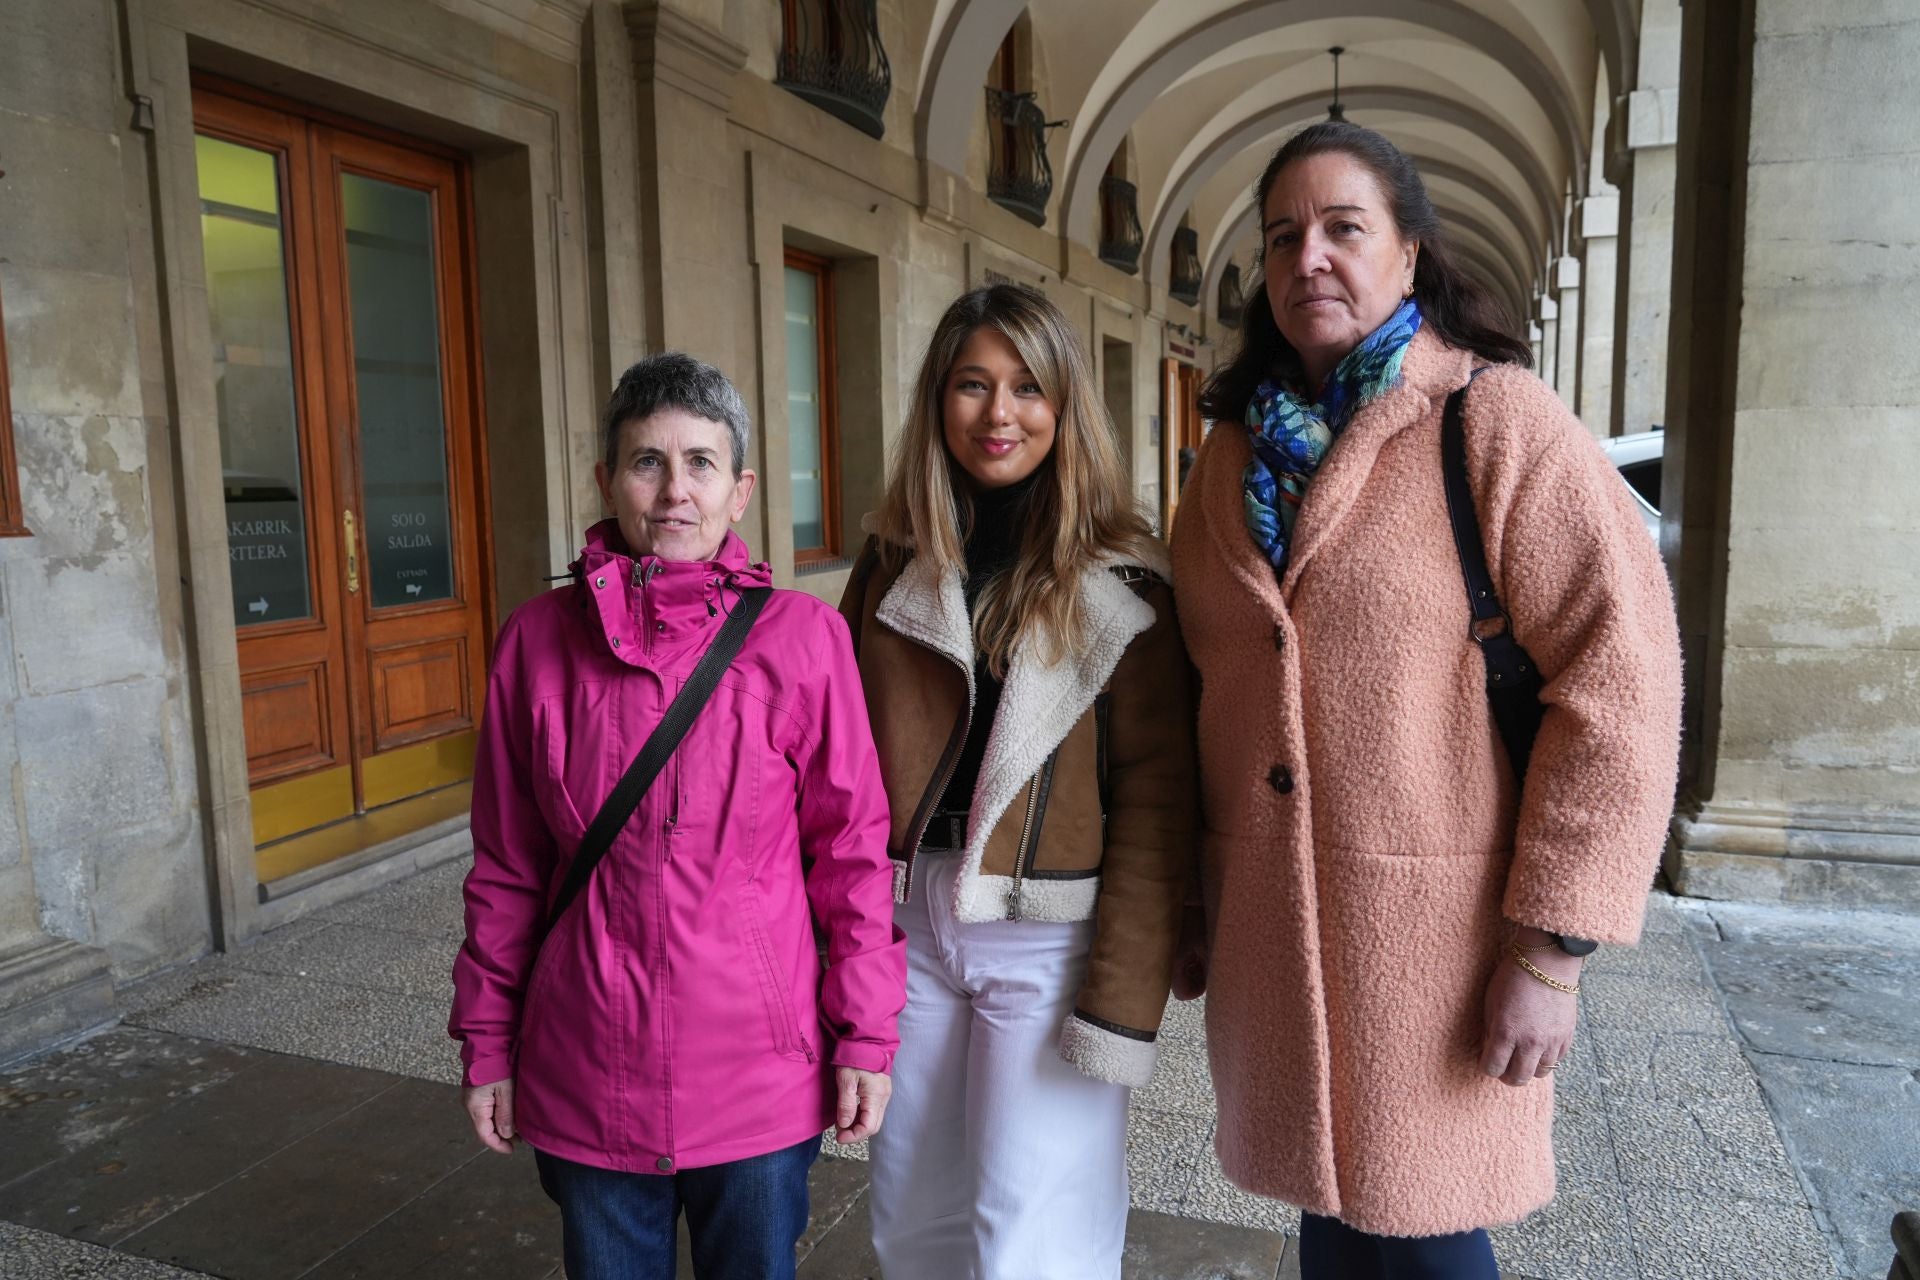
(832, 57)
(1184, 283)
(1019, 176)
(1120, 234)
(1233, 301)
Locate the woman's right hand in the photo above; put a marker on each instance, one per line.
(1190, 957)
(490, 1107)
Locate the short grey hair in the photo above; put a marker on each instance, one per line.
(674, 380)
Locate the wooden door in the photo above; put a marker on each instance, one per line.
(341, 301)
(1180, 410)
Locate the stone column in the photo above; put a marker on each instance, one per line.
(1566, 279)
(693, 238)
(699, 276)
(1547, 312)
(1796, 454)
(1641, 164)
(1599, 219)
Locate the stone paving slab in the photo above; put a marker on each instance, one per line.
(485, 1221)
(1856, 1137)
(26, 1254)
(1657, 1107)
(322, 1192)
(106, 1191)
(222, 999)
(96, 1089)
(1826, 1005)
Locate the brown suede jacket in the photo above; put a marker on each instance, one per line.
(1085, 805)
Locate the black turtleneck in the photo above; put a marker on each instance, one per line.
(993, 544)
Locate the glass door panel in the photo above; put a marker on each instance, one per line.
(396, 372)
(246, 259)
(803, 408)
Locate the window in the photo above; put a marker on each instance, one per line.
(1184, 278)
(1120, 234)
(1645, 479)
(813, 436)
(13, 521)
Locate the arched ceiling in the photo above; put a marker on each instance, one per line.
(1495, 100)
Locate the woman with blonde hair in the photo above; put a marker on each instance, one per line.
(1032, 709)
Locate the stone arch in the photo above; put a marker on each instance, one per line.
(959, 52)
(1505, 277)
(1181, 186)
(1090, 148)
(1528, 236)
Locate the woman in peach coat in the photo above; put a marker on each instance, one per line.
(1395, 927)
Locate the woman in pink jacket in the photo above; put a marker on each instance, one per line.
(1397, 923)
(676, 1042)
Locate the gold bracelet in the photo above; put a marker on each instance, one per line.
(1520, 958)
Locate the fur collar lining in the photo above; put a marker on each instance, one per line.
(1039, 704)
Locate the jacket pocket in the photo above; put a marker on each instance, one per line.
(775, 988)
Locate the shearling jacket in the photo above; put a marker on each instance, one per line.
(1364, 836)
(1084, 807)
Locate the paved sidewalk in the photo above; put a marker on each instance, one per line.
(290, 1111)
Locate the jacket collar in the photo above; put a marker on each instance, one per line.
(1039, 703)
(649, 608)
(1430, 370)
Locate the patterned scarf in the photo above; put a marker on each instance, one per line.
(1291, 437)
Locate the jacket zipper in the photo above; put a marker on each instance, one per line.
(643, 578)
(1026, 839)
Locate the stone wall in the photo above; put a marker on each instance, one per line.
(100, 831)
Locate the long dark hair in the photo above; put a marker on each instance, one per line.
(1460, 311)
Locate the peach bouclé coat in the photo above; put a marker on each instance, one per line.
(1364, 834)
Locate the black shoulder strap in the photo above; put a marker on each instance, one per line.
(1513, 682)
(658, 747)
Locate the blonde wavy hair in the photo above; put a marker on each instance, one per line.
(1082, 510)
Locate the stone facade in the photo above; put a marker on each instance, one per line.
(636, 175)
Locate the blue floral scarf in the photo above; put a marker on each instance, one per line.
(1291, 437)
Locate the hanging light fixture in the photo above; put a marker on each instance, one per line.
(1336, 110)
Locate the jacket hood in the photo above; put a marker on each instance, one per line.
(648, 606)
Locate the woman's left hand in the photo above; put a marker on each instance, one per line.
(1529, 1025)
(862, 1105)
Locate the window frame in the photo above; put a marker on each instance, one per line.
(13, 520)
(827, 356)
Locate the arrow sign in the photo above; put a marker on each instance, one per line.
(413, 588)
(257, 606)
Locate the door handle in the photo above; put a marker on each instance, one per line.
(353, 554)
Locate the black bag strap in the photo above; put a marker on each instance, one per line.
(1513, 681)
(659, 746)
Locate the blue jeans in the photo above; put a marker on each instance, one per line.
(1332, 1250)
(744, 1216)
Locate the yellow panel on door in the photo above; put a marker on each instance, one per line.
(408, 771)
(301, 804)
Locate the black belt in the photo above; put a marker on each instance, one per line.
(946, 829)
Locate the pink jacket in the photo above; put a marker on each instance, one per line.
(679, 1016)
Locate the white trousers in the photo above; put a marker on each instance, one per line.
(998, 1160)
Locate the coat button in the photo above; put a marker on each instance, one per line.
(664, 1164)
(1280, 778)
(1279, 638)
(600, 582)
(616, 642)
